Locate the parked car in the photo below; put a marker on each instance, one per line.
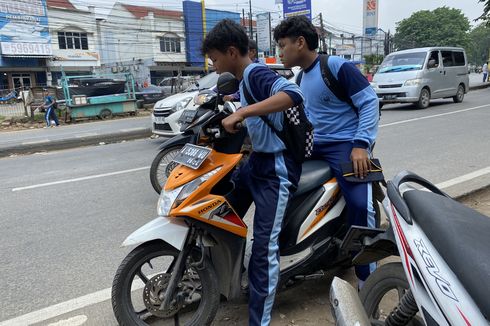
(167, 112)
(150, 94)
(174, 85)
(419, 75)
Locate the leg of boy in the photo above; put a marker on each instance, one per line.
(273, 180)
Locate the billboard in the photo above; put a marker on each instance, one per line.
(297, 8)
(263, 32)
(345, 49)
(370, 14)
(24, 28)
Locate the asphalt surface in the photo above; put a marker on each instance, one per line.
(62, 241)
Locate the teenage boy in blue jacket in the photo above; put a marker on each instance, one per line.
(270, 176)
(342, 133)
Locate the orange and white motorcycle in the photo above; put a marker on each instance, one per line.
(196, 250)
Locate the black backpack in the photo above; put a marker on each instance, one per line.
(297, 131)
(332, 83)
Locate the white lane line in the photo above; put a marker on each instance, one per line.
(74, 321)
(65, 307)
(79, 179)
(464, 178)
(433, 116)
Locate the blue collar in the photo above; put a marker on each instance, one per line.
(313, 64)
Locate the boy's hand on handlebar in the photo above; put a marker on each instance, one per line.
(230, 123)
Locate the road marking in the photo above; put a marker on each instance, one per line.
(74, 321)
(433, 116)
(464, 178)
(65, 307)
(87, 134)
(134, 129)
(79, 179)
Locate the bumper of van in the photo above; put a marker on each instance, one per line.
(404, 94)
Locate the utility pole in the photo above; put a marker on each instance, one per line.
(250, 19)
(203, 10)
(243, 18)
(322, 33)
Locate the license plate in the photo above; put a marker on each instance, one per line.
(389, 97)
(187, 116)
(192, 156)
(159, 120)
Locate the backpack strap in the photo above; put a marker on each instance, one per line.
(250, 100)
(333, 84)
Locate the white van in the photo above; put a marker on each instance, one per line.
(419, 75)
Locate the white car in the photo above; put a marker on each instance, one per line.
(166, 113)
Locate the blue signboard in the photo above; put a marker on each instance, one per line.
(24, 28)
(194, 28)
(297, 8)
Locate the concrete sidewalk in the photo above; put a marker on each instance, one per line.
(76, 135)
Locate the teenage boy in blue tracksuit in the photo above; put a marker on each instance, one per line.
(270, 176)
(342, 134)
(48, 106)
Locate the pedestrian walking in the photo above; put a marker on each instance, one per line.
(485, 72)
(50, 107)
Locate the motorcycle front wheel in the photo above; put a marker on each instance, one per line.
(162, 166)
(139, 287)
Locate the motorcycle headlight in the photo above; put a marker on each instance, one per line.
(173, 198)
(413, 82)
(180, 104)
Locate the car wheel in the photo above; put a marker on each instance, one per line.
(458, 98)
(424, 99)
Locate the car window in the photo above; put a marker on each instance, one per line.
(459, 58)
(434, 55)
(447, 58)
(206, 82)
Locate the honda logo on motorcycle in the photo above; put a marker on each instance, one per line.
(433, 270)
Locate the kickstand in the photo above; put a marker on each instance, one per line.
(176, 319)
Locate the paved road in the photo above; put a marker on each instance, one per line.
(61, 242)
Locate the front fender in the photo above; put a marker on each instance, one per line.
(179, 140)
(173, 231)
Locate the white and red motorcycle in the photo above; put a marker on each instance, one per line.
(443, 277)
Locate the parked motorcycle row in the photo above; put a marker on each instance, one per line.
(196, 251)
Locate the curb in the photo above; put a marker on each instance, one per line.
(75, 142)
(481, 86)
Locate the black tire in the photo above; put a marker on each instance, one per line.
(458, 98)
(162, 166)
(387, 277)
(121, 286)
(140, 104)
(424, 99)
(105, 114)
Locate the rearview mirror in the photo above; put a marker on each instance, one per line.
(432, 64)
(227, 84)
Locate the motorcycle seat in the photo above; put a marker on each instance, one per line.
(314, 174)
(461, 236)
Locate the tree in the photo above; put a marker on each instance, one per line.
(479, 44)
(486, 12)
(441, 27)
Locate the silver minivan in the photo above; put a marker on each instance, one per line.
(419, 75)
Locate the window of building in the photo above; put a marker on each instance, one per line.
(73, 40)
(170, 43)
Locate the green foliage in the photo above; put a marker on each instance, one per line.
(486, 12)
(373, 59)
(479, 45)
(441, 27)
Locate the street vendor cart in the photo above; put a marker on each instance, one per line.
(80, 105)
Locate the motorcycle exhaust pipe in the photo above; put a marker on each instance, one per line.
(346, 305)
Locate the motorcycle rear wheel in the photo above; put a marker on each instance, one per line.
(387, 278)
(126, 289)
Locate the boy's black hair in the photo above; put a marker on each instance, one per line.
(224, 34)
(296, 26)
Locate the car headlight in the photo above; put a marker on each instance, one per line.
(413, 82)
(203, 98)
(180, 104)
(173, 198)
(373, 84)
